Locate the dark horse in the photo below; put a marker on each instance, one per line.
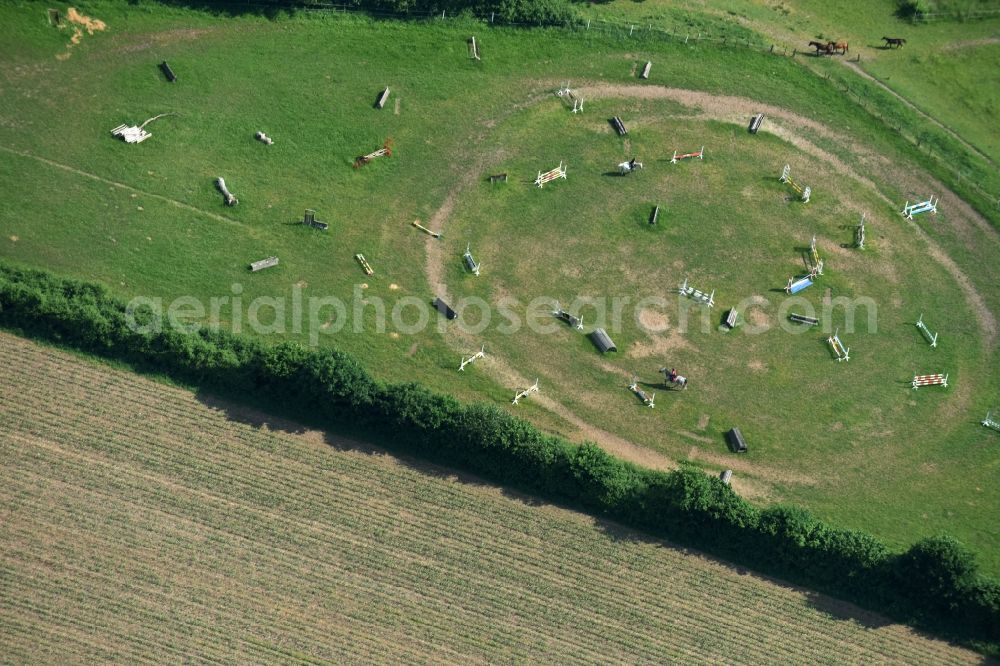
(894, 41)
(820, 46)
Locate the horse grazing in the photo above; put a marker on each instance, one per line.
(894, 41)
(820, 46)
(838, 46)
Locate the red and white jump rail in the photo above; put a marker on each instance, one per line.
(676, 158)
(930, 380)
(549, 176)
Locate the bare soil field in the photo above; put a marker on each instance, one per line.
(140, 523)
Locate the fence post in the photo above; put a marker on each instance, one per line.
(588, 24)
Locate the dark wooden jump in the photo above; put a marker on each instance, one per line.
(167, 72)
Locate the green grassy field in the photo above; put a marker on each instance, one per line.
(850, 441)
(221, 535)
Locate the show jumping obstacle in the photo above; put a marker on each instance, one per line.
(814, 258)
(384, 151)
(786, 177)
(167, 72)
(566, 92)
(382, 97)
(364, 264)
(700, 296)
(649, 400)
(525, 393)
(262, 264)
(795, 286)
(931, 338)
(619, 126)
(263, 138)
(135, 133)
(731, 319)
(842, 352)
(435, 234)
(859, 234)
(990, 423)
(473, 49)
(309, 219)
(654, 216)
(921, 207)
(227, 195)
(645, 70)
(930, 380)
(470, 263)
(549, 176)
(755, 123)
(676, 158)
(803, 319)
(562, 315)
(472, 359)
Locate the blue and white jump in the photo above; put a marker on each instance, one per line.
(920, 207)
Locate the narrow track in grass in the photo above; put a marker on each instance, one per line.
(126, 187)
(140, 520)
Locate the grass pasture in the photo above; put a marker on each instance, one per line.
(142, 523)
(849, 441)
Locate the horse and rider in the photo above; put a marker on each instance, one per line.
(672, 377)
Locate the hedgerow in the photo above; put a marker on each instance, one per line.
(934, 584)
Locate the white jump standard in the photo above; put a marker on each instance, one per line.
(677, 158)
(931, 337)
(695, 294)
(470, 263)
(525, 393)
(786, 177)
(859, 234)
(930, 380)
(920, 207)
(842, 352)
(649, 400)
(549, 176)
(472, 359)
(990, 423)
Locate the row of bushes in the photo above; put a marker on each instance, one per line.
(934, 584)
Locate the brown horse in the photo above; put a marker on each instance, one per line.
(894, 41)
(820, 46)
(838, 46)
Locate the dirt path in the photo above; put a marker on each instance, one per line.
(791, 127)
(127, 188)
